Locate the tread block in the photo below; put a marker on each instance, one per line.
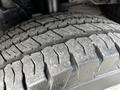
(28, 46)
(68, 31)
(80, 21)
(4, 38)
(42, 83)
(76, 51)
(108, 41)
(63, 53)
(101, 20)
(46, 20)
(29, 25)
(18, 84)
(72, 21)
(5, 44)
(117, 34)
(1, 80)
(95, 20)
(35, 77)
(48, 37)
(84, 58)
(115, 26)
(63, 24)
(89, 49)
(51, 25)
(15, 32)
(19, 38)
(64, 57)
(9, 77)
(2, 61)
(89, 20)
(50, 57)
(28, 69)
(11, 54)
(116, 40)
(104, 27)
(38, 60)
(107, 52)
(35, 31)
(32, 32)
(59, 72)
(91, 65)
(41, 29)
(88, 28)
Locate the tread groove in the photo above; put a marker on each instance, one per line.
(13, 75)
(18, 48)
(72, 59)
(34, 70)
(36, 41)
(99, 54)
(21, 28)
(57, 34)
(99, 28)
(5, 87)
(100, 57)
(45, 68)
(79, 29)
(23, 78)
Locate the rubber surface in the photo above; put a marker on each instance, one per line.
(52, 52)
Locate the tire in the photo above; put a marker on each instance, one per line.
(59, 52)
(111, 11)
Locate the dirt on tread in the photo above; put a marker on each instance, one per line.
(45, 53)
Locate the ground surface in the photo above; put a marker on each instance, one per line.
(116, 87)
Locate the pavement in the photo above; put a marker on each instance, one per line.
(116, 87)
